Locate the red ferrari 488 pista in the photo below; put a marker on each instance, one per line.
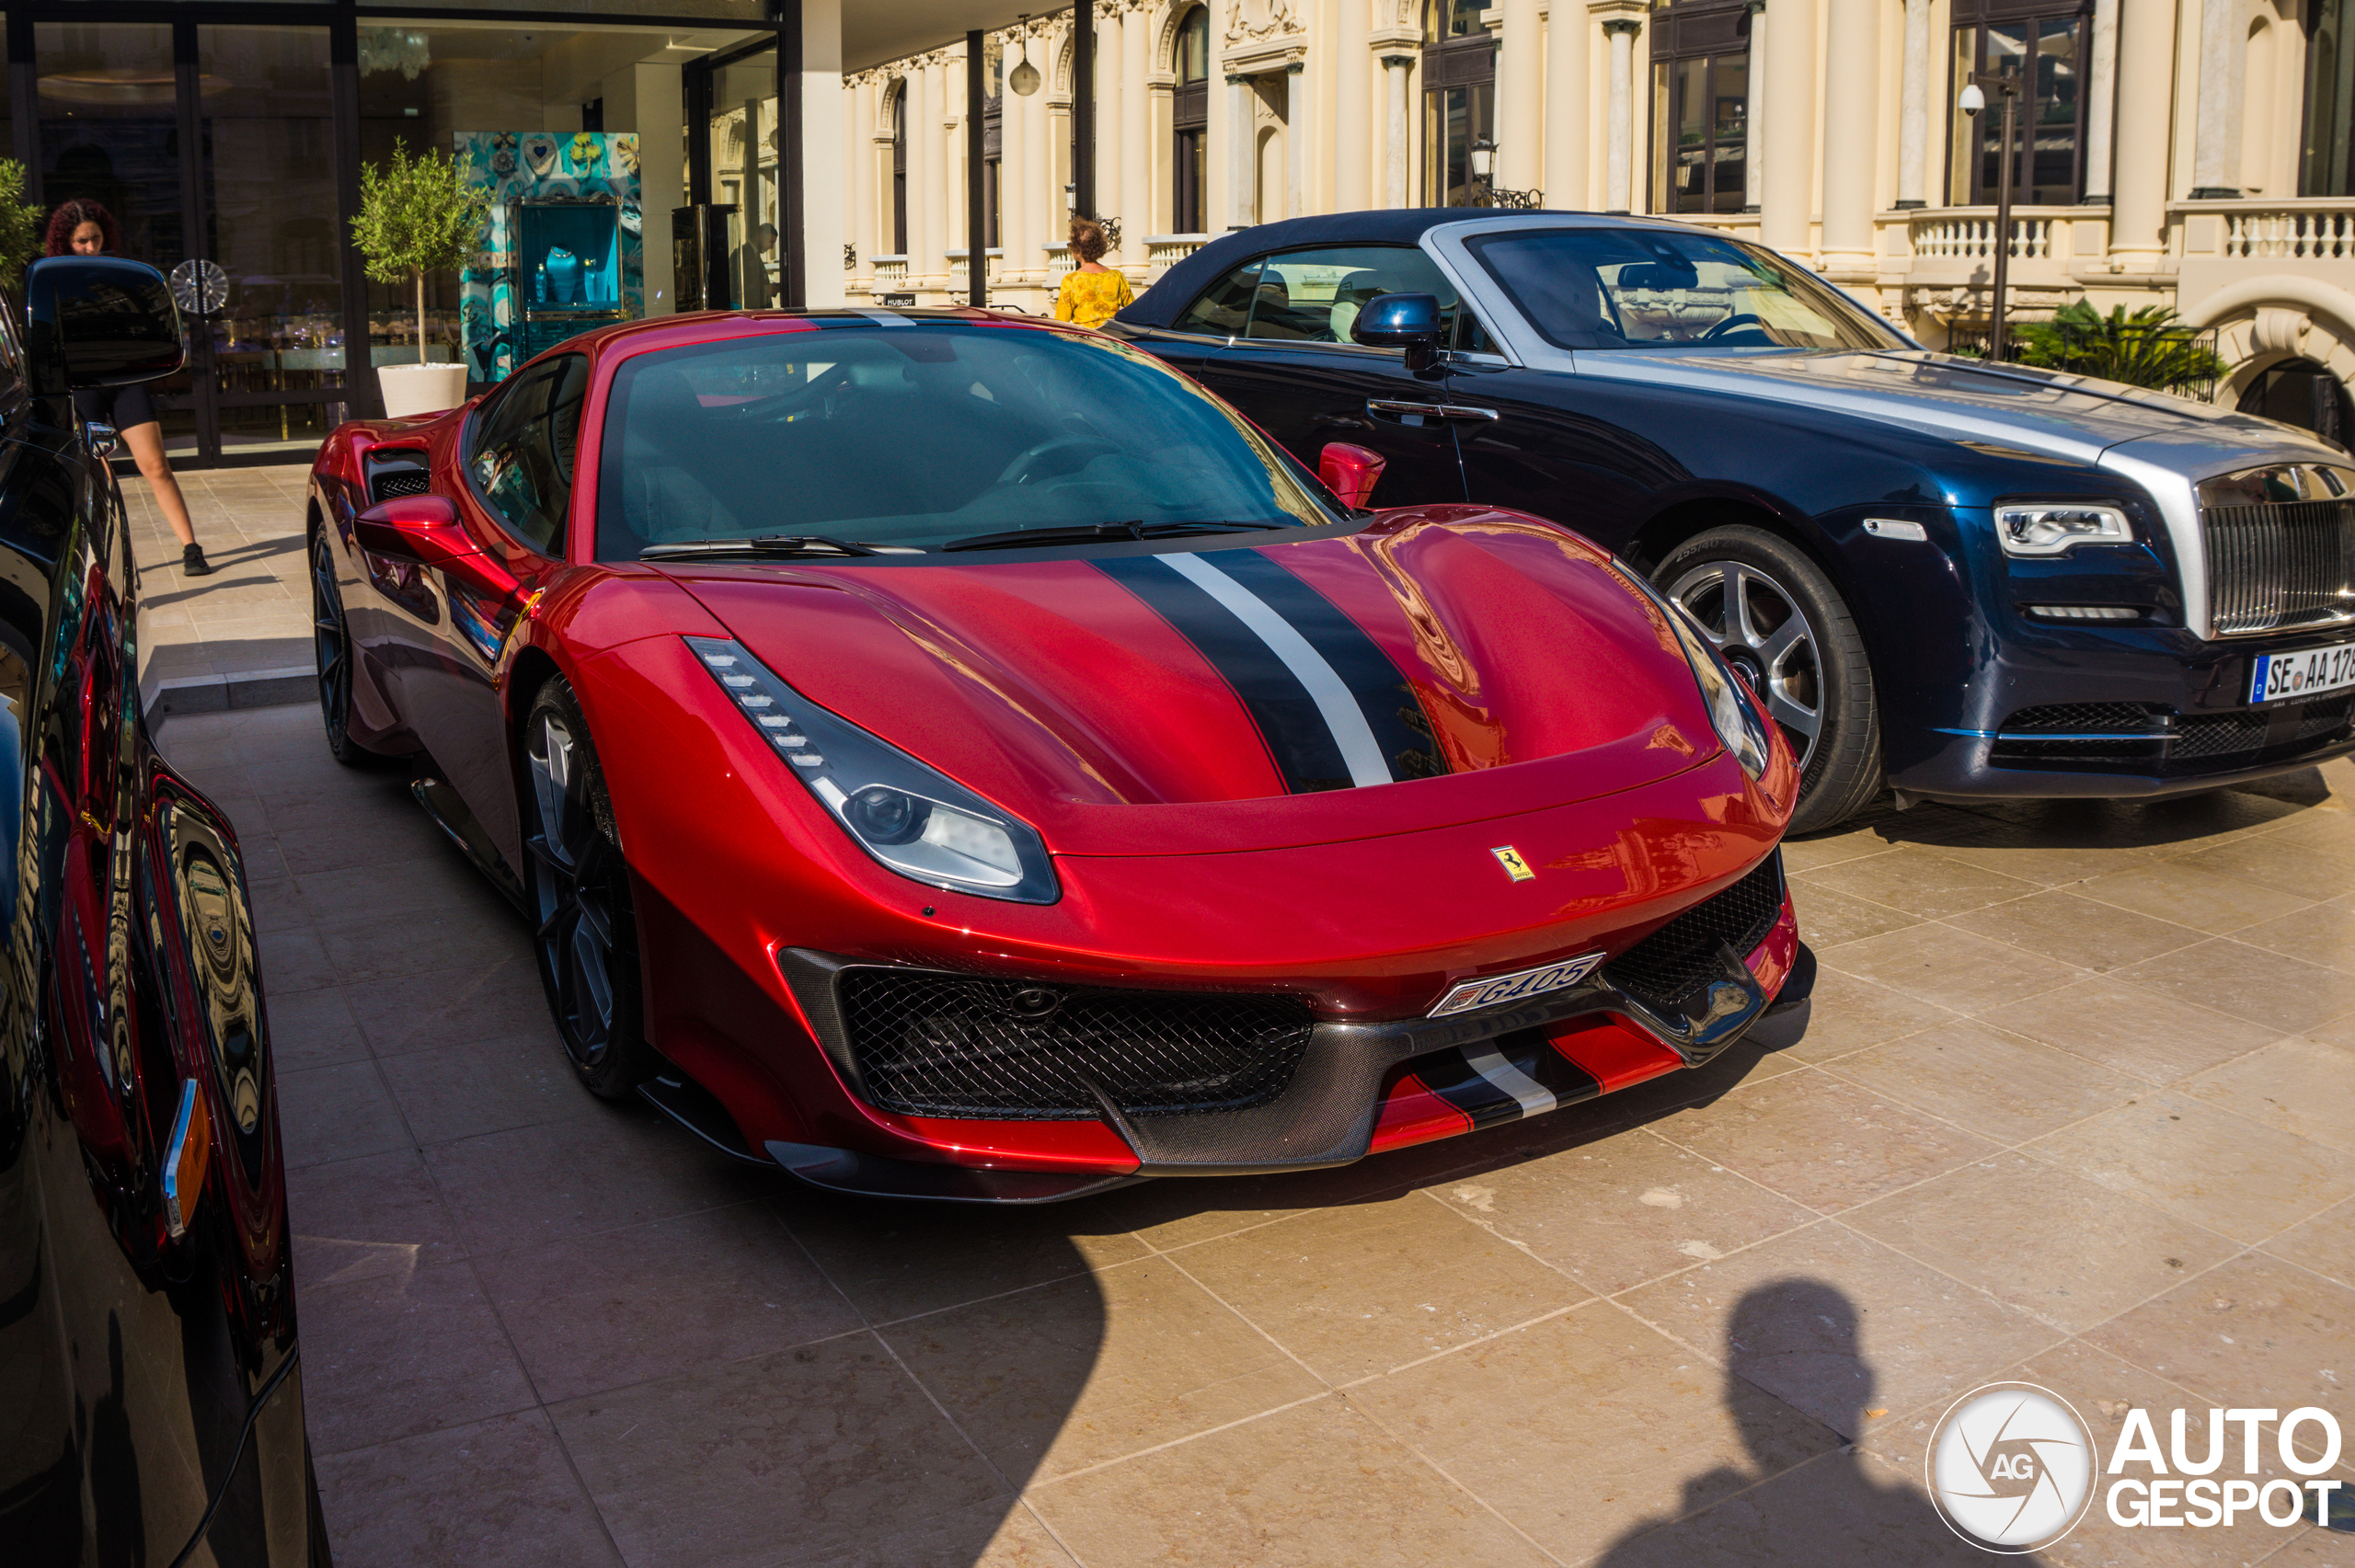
(954, 755)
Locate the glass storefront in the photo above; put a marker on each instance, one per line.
(228, 152)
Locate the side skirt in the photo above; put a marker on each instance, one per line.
(450, 814)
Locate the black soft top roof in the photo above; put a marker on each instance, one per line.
(1160, 304)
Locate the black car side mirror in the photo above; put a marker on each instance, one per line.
(1411, 322)
(95, 320)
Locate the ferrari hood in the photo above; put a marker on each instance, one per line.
(1441, 665)
(2013, 405)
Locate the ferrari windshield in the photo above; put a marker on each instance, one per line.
(915, 434)
(1658, 288)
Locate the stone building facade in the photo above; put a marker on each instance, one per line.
(2195, 154)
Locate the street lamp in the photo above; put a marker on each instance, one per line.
(1483, 157)
(1972, 99)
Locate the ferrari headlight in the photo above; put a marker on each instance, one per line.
(2051, 528)
(909, 817)
(1740, 727)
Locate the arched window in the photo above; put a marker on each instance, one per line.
(1459, 97)
(1189, 115)
(2301, 392)
(900, 168)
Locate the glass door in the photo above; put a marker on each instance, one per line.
(212, 150)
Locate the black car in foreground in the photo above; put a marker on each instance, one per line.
(150, 1399)
(1952, 577)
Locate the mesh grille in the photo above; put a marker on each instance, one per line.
(387, 483)
(945, 1045)
(2283, 565)
(1673, 962)
(2325, 720)
(2219, 735)
(2105, 718)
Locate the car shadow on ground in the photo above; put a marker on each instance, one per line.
(2128, 824)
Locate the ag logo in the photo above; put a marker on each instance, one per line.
(2011, 1468)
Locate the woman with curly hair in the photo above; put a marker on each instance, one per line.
(83, 227)
(1092, 293)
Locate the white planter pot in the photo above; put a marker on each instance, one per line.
(411, 390)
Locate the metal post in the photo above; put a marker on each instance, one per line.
(2009, 87)
(1083, 108)
(793, 192)
(977, 216)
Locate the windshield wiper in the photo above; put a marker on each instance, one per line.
(767, 544)
(1093, 533)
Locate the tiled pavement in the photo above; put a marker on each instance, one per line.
(2071, 1106)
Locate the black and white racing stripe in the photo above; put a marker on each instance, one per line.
(1508, 1078)
(1333, 710)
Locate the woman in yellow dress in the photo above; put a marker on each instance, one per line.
(1092, 291)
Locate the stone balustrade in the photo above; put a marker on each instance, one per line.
(1163, 251)
(2311, 229)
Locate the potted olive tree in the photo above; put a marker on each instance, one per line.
(418, 215)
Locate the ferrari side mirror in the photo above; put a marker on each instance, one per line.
(92, 321)
(1411, 322)
(1350, 471)
(425, 531)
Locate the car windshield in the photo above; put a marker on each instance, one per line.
(922, 433)
(1658, 288)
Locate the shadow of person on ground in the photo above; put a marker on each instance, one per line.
(1793, 1361)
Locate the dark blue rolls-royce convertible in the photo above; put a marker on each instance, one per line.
(1946, 577)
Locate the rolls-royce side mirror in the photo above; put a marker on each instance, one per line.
(1350, 471)
(94, 321)
(1411, 322)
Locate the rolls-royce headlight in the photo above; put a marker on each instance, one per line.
(911, 817)
(2053, 528)
(1733, 713)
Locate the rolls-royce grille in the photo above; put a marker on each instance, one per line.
(2278, 565)
(931, 1045)
(1676, 960)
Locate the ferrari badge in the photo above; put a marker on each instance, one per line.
(1515, 867)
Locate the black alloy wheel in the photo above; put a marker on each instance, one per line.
(331, 642)
(1777, 619)
(586, 935)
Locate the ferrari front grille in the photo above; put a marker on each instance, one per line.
(1676, 960)
(931, 1045)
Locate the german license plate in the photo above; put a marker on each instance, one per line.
(2279, 676)
(1494, 989)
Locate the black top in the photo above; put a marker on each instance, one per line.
(1161, 305)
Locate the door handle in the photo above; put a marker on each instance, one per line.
(1429, 410)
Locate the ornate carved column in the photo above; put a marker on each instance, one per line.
(1241, 156)
(1521, 110)
(2216, 142)
(1787, 201)
(1399, 69)
(2101, 101)
(1851, 118)
(1137, 211)
(1353, 137)
(1913, 107)
(1300, 121)
(866, 157)
(1565, 179)
(1753, 159)
(1620, 107)
(2139, 187)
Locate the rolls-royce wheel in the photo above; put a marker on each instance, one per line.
(331, 642)
(1778, 620)
(586, 938)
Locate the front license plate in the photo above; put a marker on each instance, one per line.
(2278, 676)
(1495, 988)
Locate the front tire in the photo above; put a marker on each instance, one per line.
(332, 645)
(1776, 616)
(586, 935)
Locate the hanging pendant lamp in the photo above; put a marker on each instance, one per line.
(1024, 78)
